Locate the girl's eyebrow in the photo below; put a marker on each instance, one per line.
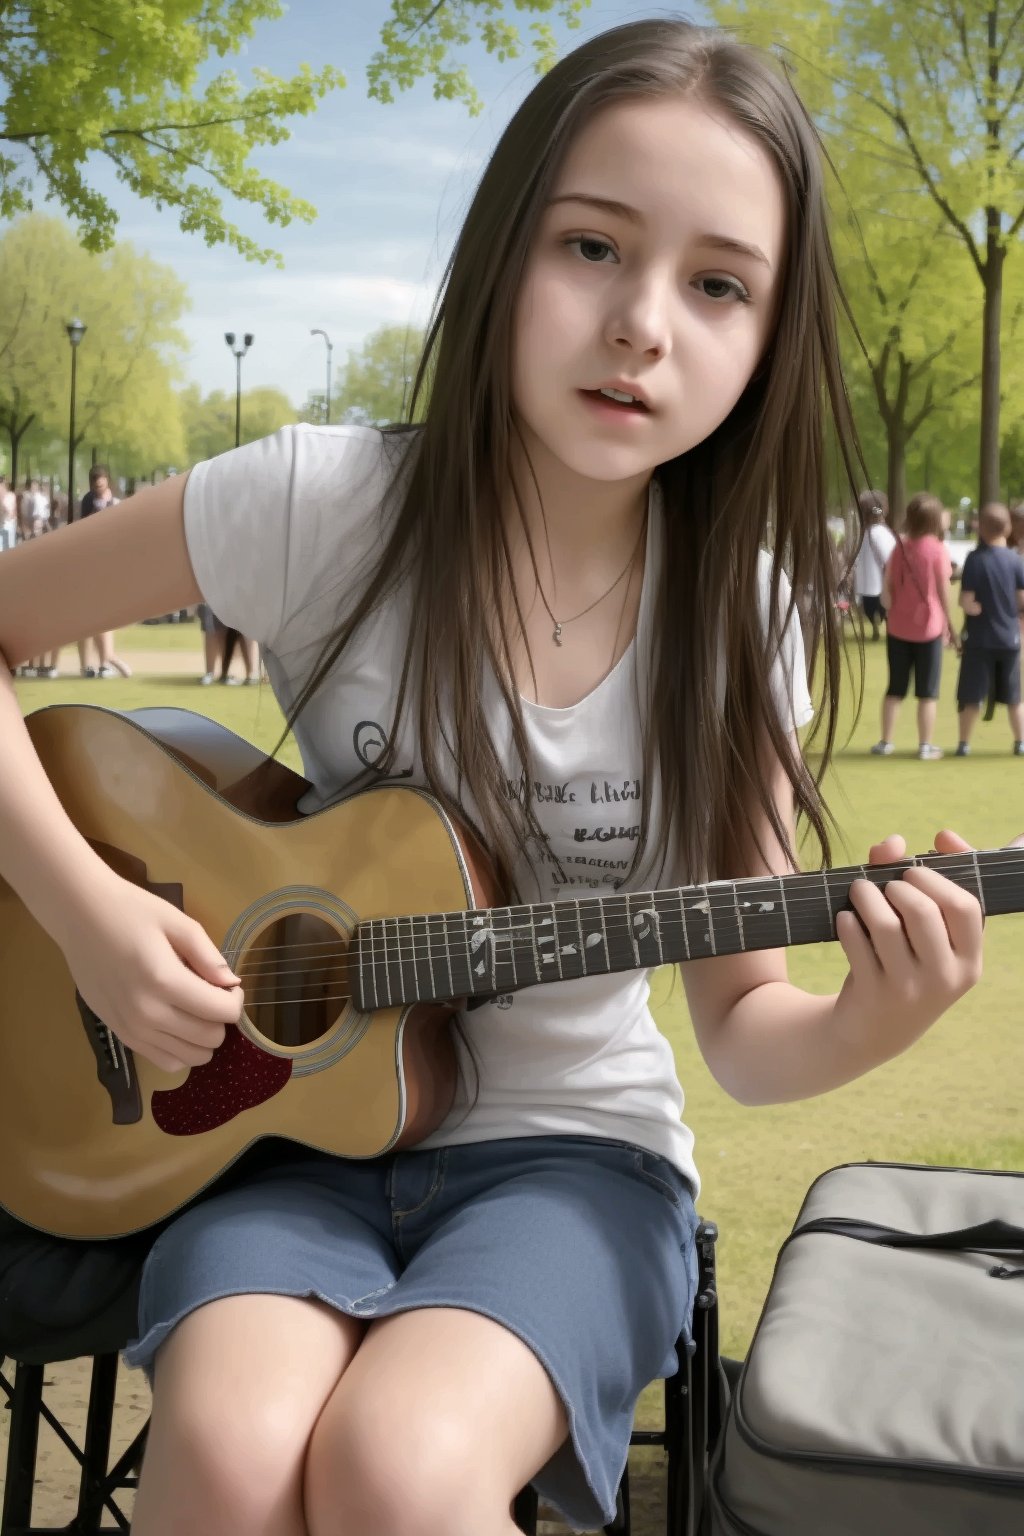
(634, 216)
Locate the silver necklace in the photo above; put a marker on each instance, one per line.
(560, 624)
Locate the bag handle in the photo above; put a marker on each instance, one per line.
(995, 1236)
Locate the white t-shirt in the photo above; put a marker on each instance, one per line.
(280, 533)
(877, 545)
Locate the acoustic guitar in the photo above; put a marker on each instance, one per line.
(357, 931)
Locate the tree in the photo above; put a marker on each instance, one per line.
(126, 362)
(374, 384)
(943, 86)
(118, 78)
(210, 424)
(420, 35)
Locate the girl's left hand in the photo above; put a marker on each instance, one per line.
(914, 948)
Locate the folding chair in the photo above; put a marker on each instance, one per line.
(695, 1400)
(55, 1272)
(63, 1301)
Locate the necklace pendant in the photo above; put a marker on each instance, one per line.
(557, 633)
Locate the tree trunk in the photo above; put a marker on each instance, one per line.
(896, 479)
(990, 364)
(16, 434)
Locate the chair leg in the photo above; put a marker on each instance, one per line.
(93, 1487)
(23, 1439)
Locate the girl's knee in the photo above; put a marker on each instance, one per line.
(222, 1468)
(377, 1475)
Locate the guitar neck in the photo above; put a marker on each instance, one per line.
(447, 955)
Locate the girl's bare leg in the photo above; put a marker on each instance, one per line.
(240, 1384)
(251, 652)
(442, 1417)
(890, 709)
(926, 712)
(83, 655)
(105, 647)
(213, 652)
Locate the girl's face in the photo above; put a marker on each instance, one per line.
(654, 271)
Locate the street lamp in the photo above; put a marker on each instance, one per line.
(330, 349)
(76, 330)
(247, 341)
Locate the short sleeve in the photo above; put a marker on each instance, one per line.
(280, 524)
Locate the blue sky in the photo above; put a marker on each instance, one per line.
(391, 184)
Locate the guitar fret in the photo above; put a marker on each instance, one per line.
(739, 915)
(977, 876)
(682, 919)
(828, 902)
(711, 920)
(785, 909)
(579, 930)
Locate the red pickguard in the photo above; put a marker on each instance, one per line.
(237, 1077)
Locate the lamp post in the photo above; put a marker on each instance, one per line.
(247, 341)
(327, 397)
(76, 330)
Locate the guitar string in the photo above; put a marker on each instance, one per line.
(522, 942)
(377, 941)
(722, 901)
(528, 954)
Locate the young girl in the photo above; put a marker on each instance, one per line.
(917, 598)
(559, 603)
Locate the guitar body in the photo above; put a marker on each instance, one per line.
(94, 1140)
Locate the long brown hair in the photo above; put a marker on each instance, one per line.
(757, 482)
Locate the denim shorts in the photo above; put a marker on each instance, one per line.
(583, 1248)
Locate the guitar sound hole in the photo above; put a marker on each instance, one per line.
(295, 975)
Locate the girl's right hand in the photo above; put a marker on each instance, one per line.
(152, 975)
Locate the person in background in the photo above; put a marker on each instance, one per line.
(916, 597)
(992, 597)
(45, 665)
(876, 545)
(8, 515)
(98, 496)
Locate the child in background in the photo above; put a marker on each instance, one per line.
(992, 597)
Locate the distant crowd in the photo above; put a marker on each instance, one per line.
(31, 511)
(904, 584)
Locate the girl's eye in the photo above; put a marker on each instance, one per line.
(719, 288)
(591, 248)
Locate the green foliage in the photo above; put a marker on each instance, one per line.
(421, 37)
(128, 360)
(923, 144)
(118, 78)
(210, 423)
(375, 383)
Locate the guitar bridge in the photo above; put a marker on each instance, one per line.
(115, 1066)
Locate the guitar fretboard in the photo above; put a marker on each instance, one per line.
(494, 950)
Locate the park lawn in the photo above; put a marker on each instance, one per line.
(955, 1098)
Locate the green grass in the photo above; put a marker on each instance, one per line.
(955, 1098)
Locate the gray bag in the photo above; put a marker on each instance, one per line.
(883, 1394)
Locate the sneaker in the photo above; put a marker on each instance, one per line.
(1018, 749)
(232, 682)
(51, 672)
(963, 749)
(883, 749)
(88, 671)
(253, 679)
(929, 754)
(206, 679)
(106, 671)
